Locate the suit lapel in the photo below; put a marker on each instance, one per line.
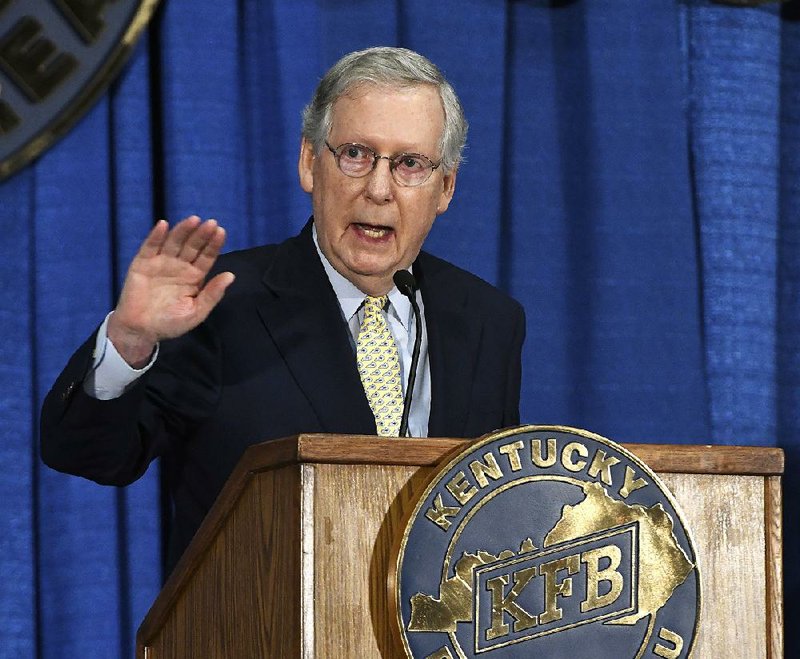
(302, 315)
(453, 340)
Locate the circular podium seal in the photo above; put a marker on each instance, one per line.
(56, 59)
(546, 541)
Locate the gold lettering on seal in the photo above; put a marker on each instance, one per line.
(536, 453)
(673, 639)
(601, 464)
(9, 119)
(33, 61)
(567, 456)
(461, 488)
(553, 588)
(631, 484)
(508, 604)
(594, 575)
(86, 16)
(439, 513)
(512, 451)
(443, 653)
(487, 468)
(555, 585)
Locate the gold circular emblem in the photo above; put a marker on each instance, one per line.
(56, 59)
(546, 541)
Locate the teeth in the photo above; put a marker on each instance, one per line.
(374, 232)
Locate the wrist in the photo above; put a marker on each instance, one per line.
(134, 346)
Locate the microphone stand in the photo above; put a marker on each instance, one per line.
(407, 285)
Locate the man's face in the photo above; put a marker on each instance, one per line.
(370, 227)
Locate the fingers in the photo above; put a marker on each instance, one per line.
(212, 293)
(206, 239)
(155, 240)
(210, 249)
(180, 234)
(190, 240)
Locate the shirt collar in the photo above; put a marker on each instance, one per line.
(350, 296)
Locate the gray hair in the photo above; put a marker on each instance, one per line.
(386, 67)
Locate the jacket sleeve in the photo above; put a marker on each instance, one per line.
(112, 442)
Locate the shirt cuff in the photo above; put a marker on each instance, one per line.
(110, 375)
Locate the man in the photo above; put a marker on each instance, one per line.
(203, 357)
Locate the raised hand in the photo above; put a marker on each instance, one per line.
(165, 293)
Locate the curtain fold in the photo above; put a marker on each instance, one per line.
(735, 132)
(18, 463)
(602, 241)
(631, 177)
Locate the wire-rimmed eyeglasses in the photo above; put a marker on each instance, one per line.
(408, 169)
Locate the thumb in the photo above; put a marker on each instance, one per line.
(212, 293)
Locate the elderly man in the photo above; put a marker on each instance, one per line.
(204, 356)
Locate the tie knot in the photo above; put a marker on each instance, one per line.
(374, 305)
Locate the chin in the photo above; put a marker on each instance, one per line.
(372, 268)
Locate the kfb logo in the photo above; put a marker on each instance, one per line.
(548, 542)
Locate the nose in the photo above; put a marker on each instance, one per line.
(379, 182)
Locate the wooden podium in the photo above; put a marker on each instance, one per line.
(292, 559)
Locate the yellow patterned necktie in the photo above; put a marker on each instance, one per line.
(379, 368)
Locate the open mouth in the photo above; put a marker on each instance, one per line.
(374, 232)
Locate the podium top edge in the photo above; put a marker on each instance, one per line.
(428, 452)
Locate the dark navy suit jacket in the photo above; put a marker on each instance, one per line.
(274, 359)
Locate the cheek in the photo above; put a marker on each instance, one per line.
(339, 191)
(421, 215)
(330, 200)
(417, 234)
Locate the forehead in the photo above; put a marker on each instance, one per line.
(389, 117)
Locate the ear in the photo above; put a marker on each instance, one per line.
(448, 189)
(305, 165)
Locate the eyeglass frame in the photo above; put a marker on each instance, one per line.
(393, 161)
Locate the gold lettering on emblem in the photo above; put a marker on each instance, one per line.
(443, 653)
(631, 484)
(567, 456)
(488, 467)
(601, 464)
(439, 513)
(33, 61)
(594, 575)
(86, 16)
(673, 639)
(663, 565)
(9, 119)
(553, 588)
(536, 453)
(461, 488)
(508, 604)
(512, 451)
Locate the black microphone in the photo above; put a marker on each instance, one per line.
(407, 285)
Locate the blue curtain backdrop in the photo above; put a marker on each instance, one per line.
(632, 177)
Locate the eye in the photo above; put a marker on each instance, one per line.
(356, 153)
(410, 162)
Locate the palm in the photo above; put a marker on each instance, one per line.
(162, 291)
